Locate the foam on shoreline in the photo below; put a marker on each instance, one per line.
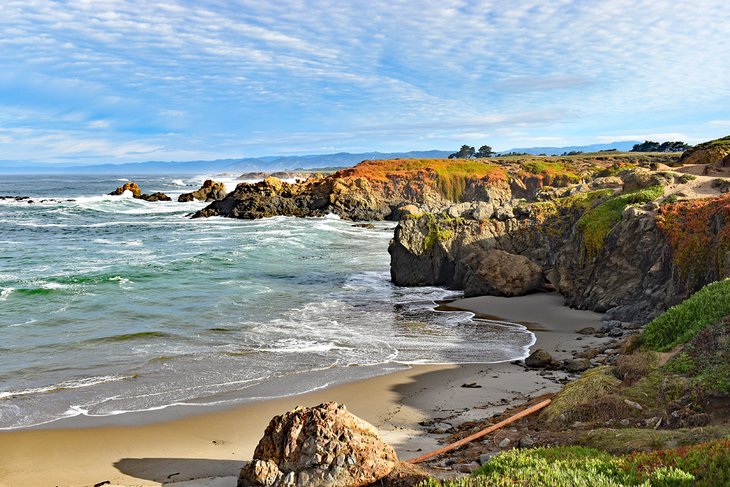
(214, 444)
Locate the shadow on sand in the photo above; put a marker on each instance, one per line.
(177, 469)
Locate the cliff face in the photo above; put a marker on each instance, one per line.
(376, 190)
(597, 229)
(711, 152)
(373, 190)
(621, 254)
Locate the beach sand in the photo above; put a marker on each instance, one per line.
(209, 449)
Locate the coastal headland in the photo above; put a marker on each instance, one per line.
(637, 246)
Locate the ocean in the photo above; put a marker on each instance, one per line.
(111, 305)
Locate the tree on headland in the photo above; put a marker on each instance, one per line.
(466, 152)
(484, 151)
(651, 146)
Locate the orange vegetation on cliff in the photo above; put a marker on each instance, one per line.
(699, 235)
(425, 169)
(449, 176)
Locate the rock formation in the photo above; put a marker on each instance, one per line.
(712, 152)
(131, 187)
(622, 254)
(209, 191)
(155, 197)
(499, 273)
(322, 446)
(377, 190)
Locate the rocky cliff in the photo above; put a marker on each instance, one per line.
(628, 252)
(709, 153)
(376, 190)
(604, 230)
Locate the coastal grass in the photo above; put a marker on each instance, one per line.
(596, 223)
(449, 176)
(623, 441)
(439, 228)
(557, 173)
(708, 462)
(705, 360)
(721, 142)
(552, 216)
(578, 398)
(575, 466)
(680, 323)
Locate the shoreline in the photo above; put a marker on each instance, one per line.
(208, 448)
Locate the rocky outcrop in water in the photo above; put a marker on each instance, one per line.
(209, 191)
(377, 190)
(131, 186)
(322, 446)
(155, 197)
(271, 197)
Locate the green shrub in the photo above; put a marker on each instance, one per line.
(706, 359)
(567, 466)
(593, 385)
(597, 222)
(708, 462)
(682, 322)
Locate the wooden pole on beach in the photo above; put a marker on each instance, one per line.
(485, 431)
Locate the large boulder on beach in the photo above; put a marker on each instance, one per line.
(209, 191)
(499, 273)
(540, 359)
(322, 446)
(131, 186)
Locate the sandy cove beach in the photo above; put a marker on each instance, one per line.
(209, 449)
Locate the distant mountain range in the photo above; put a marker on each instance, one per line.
(267, 163)
(556, 151)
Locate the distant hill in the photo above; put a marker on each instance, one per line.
(233, 166)
(623, 146)
(269, 163)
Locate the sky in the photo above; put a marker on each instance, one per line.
(108, 81)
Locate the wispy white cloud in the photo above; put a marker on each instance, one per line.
(435, 70)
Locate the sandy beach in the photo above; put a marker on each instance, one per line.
(208, 449)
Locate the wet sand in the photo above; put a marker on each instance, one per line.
(208, 449)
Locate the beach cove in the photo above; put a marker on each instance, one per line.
(210, 448)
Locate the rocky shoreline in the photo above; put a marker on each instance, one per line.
(642, 240)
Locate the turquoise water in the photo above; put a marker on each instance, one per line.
(110, 304)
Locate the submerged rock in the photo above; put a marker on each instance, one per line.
(209, 191)
(322, 446)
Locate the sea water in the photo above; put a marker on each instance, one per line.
(109, 304)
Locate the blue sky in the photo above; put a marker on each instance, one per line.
(93, 81)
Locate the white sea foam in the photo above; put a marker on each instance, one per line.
(329, 304)
(178, 182)
(55, 285)
(121, 280)
(292, 345)
(69, 384)
(6, 292)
